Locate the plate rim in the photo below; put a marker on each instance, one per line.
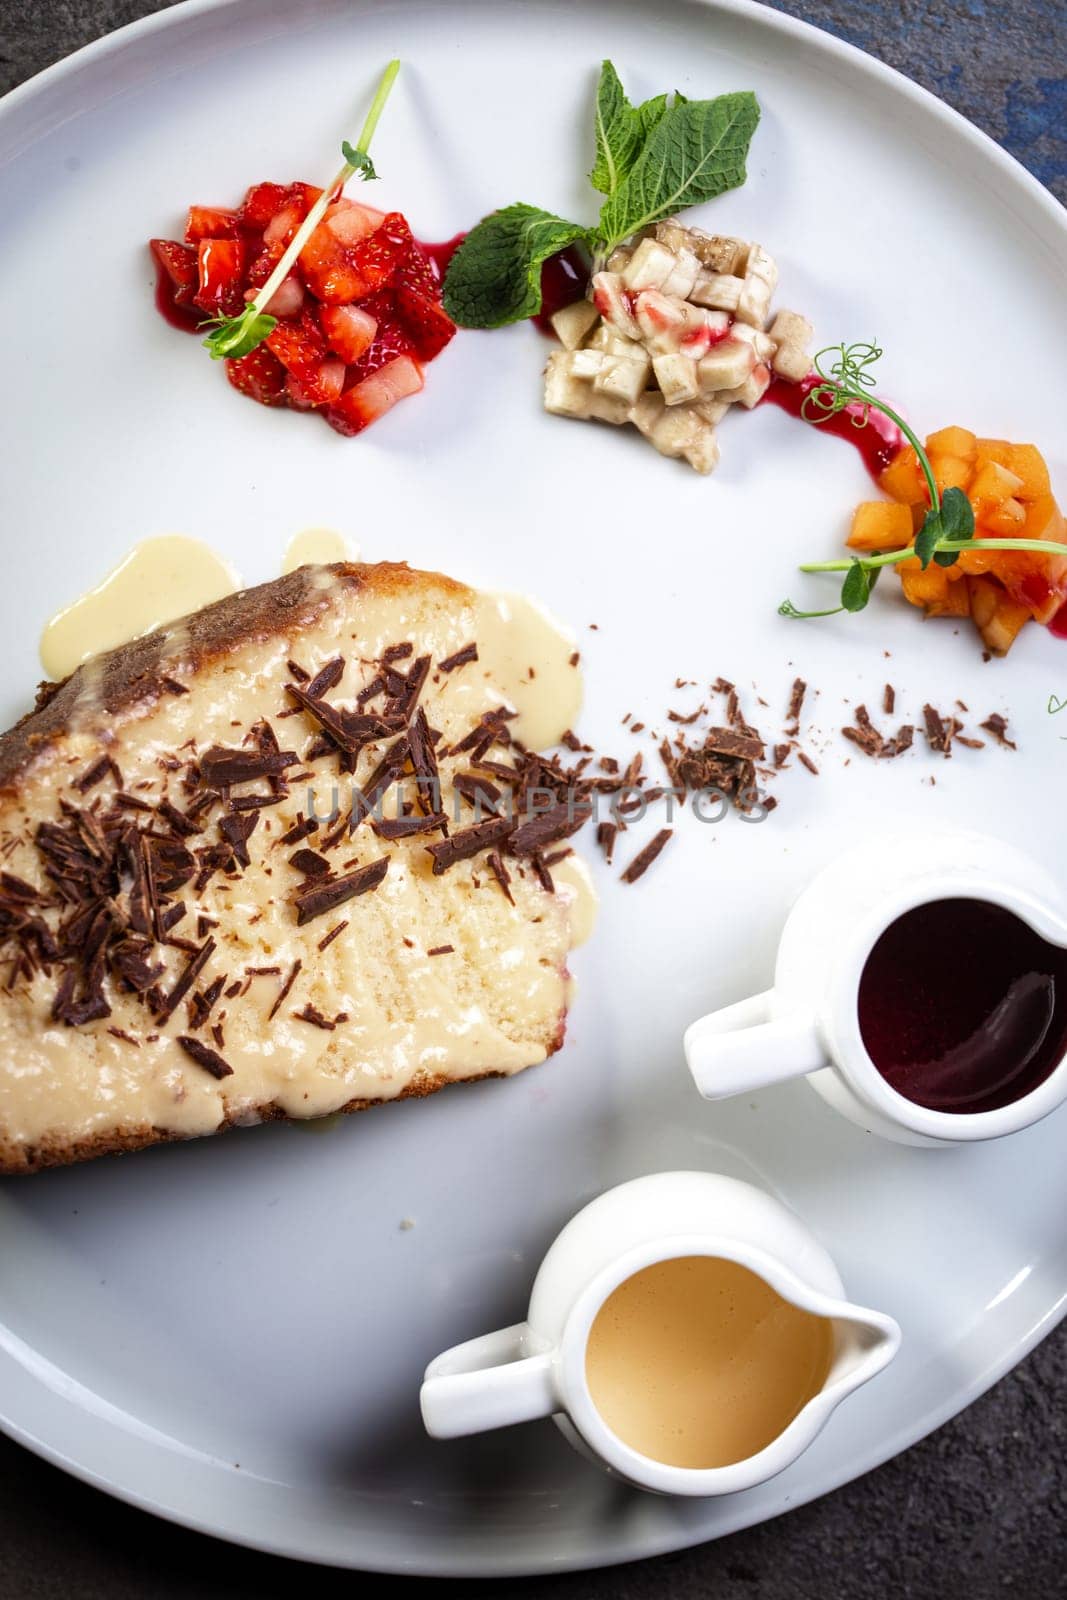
(468, 1560)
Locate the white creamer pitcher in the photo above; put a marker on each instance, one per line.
(808, 1023)
(538, 1368)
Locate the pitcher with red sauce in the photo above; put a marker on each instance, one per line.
(922, 990)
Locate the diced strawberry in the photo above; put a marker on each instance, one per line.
(178, 261)
(349, 330)
(304, 195)
(390, 340)
(320, 390)
(211, 222)
(221, 267)
(425, 322)
(350, 222)
(367, 401)
(287, 299)
(262, 202)
(299, 346)
(338, 274)
(259, 375)
(419, 272)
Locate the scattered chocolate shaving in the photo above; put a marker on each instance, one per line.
(205, 1057)
(459, 659)
(781, 755)
(298, 672)
(301, 829)
(806, 761)
(728, 742)
(313, 1015)
(547, 827)
(327, 896)
(889, 699)
(644, 858)
(481, 793)
(93, 775)
(406, 827)
(178, 820)
(441, 950)
(796, 705)
(397, 652)
(424, 761)
(500, 872)
(469, 842)
(327, 678)
(998, 727)
(219, 766)
(127, 1038)
(193, 968)
(939, 731)
(332, 935)
(236, 830)
(283, 992)
(172, 686)
(606, 834)
(310, 863)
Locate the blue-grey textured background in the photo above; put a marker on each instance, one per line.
(977, 1511)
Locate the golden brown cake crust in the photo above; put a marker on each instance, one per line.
(130, 677)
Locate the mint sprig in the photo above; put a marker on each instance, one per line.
(651, 161)
(948, 527)
(233, 337)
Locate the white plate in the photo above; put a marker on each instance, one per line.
(232, 1334)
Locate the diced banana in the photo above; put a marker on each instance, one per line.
(677, 378)
(761, 342)
(718, 289)
(711, 408)
(624, 378)
(717, 253)
(667, 323)
(759, 264)
(647, 411)
(572, 323)
(751, 392)
(649, 267)
(674, 236)
(725, 366)
(791, 362)
(619, 258)
(587, 363)
(681, 279)
(703, 453)
(789, 327)
(600, 337)
(607, 408)
(754, 301)
(565, 395)
(611, 300)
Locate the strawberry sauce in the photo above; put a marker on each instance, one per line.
(963, 1007)
(441, 254)
(877, 441)
(564, 279)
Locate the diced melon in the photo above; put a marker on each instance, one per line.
(923, 588)
(998, 450)
(1003, 520)
(903, 479)
(959, 442)
(1037, 580)
(983, 594)
(1001, 631)
(881, 525)
(955, 603)
(993, 482)
(1029, 465)
(950, 472)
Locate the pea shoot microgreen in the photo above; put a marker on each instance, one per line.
(233, 337)
(948, 527)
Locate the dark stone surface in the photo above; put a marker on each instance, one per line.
(976, 1511)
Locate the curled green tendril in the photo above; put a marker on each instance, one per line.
(846, 381)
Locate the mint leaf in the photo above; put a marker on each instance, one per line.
(621, 130)
(359, 161)
(856, 589)
(957, 522)
(927, 537)
(495, 275)
(695, 151)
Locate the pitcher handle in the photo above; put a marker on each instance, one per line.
(487, 1383)
(739, 1049)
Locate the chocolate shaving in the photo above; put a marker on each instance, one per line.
(559, 822)
(730, 742)
(796, 704)
(482, 794)
(606, 834)
(327, 677)
(495, 863)
(332, 935)
(644, 858)
(998, 727)
(92, 775)
(939, 731)
(322, 897)
(310, 863)
(236, 830)
(459, 659)
(205, 1057)
(468, 842)
(424, 761)
(219, 766)
(397, 652)
(194, 967)
(441, 950)
(889, 699)
(284, 990)
(806, 761)
(406, 827)
(302, 827)
(178, 820)
(313, 1015)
